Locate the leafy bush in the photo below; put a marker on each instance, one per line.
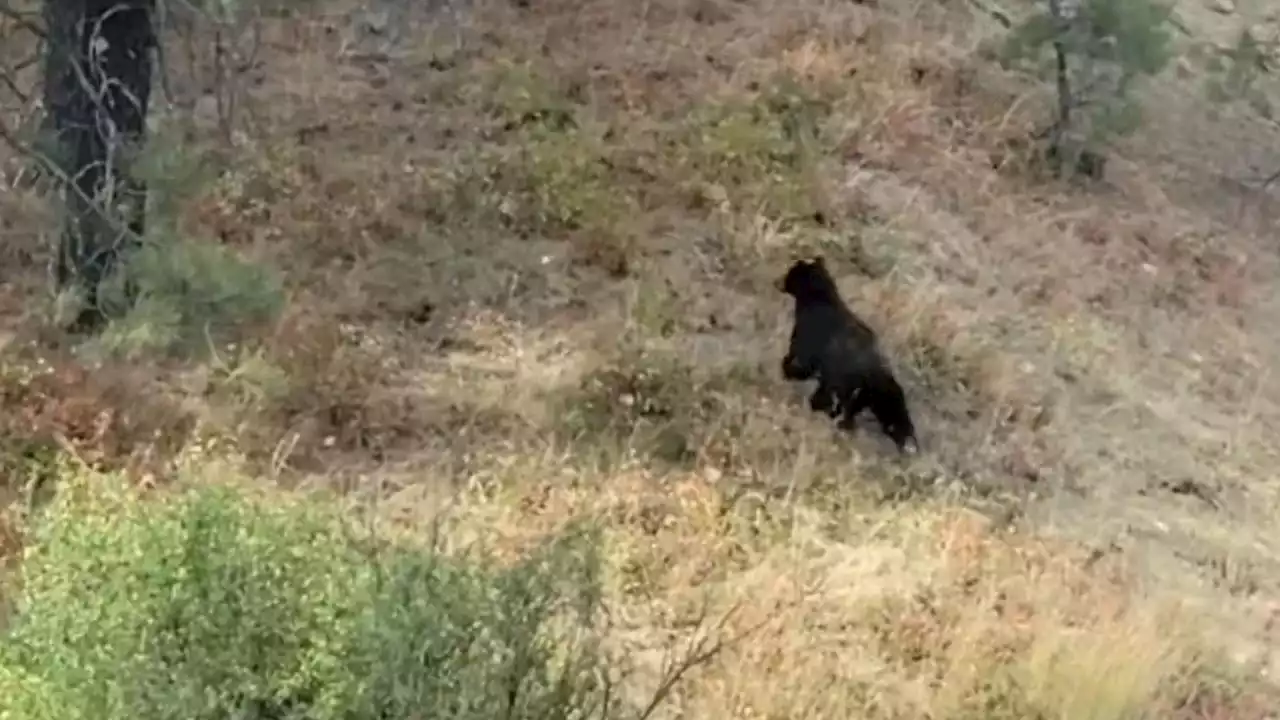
(210, 603)
(187, 293)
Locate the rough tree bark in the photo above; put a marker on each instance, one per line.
(1063, 13)
(98, 70)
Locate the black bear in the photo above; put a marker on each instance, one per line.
(832, 343)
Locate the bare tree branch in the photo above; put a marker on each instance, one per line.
(7, 79)
(994, 12)
(48, 165)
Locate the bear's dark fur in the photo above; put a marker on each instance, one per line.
(832, 343)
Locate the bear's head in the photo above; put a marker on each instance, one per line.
(809, 280)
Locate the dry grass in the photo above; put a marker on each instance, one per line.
(528, 256)
(910, 610)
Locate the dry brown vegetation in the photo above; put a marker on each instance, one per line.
(528, 256)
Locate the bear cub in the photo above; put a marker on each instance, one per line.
(830, 342)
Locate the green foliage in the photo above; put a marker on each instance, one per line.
(1110, 45)
(649, 399)
(1132, 34)
(1239, 74)
(563, 182)
(539, 169)
(174, 174)
(187, 293)
(760, 154)
(182, 292)
(210, 603)
(521, 95)
(246, 376)
(543, 167)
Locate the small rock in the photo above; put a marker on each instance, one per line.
(1222, 7)
(374, 22)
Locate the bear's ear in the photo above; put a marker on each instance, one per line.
(818, 262)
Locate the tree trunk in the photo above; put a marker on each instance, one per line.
(1063, 12)
(98, 70)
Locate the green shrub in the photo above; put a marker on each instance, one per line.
(210, 603)
(1097, 57)
(564, 182)
(1241, 73)
(187, 292)
(648, 399)
(759, 153)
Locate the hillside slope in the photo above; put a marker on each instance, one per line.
(529, 255)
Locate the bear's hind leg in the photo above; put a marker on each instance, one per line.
(825, 400)
(854, 401)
